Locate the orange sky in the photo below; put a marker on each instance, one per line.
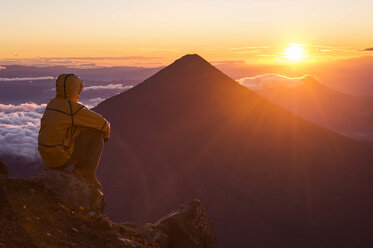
(157, 32)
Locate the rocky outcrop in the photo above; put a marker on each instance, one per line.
(72, 190)
(155, 237)
(3, 169)
(188, 227)
(47, 212)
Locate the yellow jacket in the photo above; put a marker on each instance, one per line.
(62, 121)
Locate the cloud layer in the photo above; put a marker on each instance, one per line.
(24, 79)
(85, 62)
(267, 81)
(108, 87)
(92, 102)
(19, 126)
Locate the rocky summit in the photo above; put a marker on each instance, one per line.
(57, 209)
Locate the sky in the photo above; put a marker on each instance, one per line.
(87, 33)
(157, 32)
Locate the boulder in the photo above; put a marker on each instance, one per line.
(3, 169)
(72, 190)
(188, 227)
(155, 237)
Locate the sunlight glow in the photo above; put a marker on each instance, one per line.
(295, 53)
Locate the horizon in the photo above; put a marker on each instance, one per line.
(113, 33)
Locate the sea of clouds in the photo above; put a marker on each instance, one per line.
(273, 80)
(19, 127)
(13, 79)
(108, 87)
(118, 87)
(19, 124)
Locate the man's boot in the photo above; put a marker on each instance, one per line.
(87, 176)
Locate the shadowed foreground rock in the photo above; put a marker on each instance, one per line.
(34, 214)
(187, 227)
(3, 169)
(72, 189)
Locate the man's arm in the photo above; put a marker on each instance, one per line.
(89, 118)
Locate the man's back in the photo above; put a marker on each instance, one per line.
(64, 122)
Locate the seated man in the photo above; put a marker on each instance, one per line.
(70, 134)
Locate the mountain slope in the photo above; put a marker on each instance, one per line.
(266, 176)
(346, 114)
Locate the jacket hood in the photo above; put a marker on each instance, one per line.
(68, 86)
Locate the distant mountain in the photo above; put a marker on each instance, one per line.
(347, 114)
(352, 76)
(267, 177)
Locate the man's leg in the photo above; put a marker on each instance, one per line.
(86, 155)
(93, 141)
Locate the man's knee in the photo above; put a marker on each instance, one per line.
(91, 133)
(89, 138)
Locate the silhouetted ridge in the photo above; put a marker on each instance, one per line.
(190, 74)
(192, 61)
(344, 113)
(268, 177)
(192, 68)
(194, 58)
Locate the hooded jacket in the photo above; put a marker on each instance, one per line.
(61, 122)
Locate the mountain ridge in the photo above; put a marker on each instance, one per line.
(190, 130)
(346, 114)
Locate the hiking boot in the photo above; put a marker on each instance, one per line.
(88, 177)
(94, 181)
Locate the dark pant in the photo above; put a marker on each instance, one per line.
(87, 150)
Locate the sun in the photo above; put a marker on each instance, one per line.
(295, 53)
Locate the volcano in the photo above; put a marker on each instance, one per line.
(267, 177)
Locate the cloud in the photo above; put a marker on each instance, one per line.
(103, 58)
(368, 49)
(19, 126)
(24, 107)
(229, 62)
(83, 62)
(108, 87)
(91, 103)
(253, 50)
(272, 81)
(2, 67)
(24, 79)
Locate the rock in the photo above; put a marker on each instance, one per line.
(104, 223)
(130, 227)
(3, 169)
(130, 243)
(188, 227)
(72, 189)
(129, 231)
(154, 237)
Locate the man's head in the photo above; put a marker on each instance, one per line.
(69, 86)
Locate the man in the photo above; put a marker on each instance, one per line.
(70, 134)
